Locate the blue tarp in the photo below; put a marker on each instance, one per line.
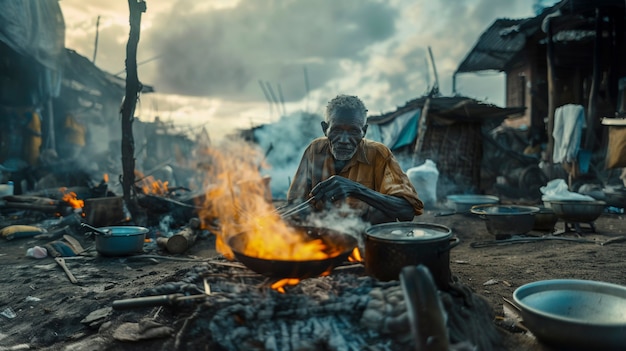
(399, 132)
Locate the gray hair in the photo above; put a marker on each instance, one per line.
(346, 102)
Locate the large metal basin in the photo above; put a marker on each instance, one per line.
(506, 220)
(578, 211)
(462, 203)
(574, 314)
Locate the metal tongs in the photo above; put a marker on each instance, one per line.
(284, 212)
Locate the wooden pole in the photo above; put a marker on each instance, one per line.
(95, 46)
(133, 87)
(551, 91)
(422, 126)
(592, 109)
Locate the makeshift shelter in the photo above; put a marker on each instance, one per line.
(89, 102)
(32, 41)
(571, 53)
(447, 130)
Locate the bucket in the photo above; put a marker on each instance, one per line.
(6, 189)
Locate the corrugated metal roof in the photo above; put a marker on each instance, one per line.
(498, 46)
(460, 108)
(80, 69)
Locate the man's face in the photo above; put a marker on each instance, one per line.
(345, 130)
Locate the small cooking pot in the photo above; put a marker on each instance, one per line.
(391, 246)
(120, 240)
(545, 219)
(339, 246)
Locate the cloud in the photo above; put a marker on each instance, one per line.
(220, 50)
(225, 52)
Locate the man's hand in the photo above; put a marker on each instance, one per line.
(335, 188)
(384, 208)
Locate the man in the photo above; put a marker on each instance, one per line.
(343, 166)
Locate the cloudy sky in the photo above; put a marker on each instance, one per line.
(208, 60)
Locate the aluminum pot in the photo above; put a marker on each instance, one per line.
(571, 314)
(391, 246)
(339, 246)
(462, 203)
(545, 219)
(506, 220)
(120, 240)
(578, 211)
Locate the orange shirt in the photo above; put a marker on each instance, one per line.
(373, 165)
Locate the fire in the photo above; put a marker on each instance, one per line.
(149, 185)
(237, 199)
(355, 256)
(105, 177)
(280, 285)
(71, 199)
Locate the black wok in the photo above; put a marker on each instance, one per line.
(336, 242)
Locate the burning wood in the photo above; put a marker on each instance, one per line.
(71, 199)
(150, 185)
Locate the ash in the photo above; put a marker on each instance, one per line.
(343, 311)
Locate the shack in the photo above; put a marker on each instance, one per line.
(571, 54)
(445, 129)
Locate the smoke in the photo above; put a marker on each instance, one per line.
(284, 142)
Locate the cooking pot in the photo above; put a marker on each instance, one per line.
(462, 203)
(578, 211)
(545, 219)
(120, 240)
(506, 220)
(339, 245)
(574, 314)
(391, 246)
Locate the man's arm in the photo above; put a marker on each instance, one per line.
(385, 208)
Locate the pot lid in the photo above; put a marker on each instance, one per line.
(409, 232)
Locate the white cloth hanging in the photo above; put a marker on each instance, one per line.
(569, 121)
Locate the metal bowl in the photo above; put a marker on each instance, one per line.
(464, 202)
(506, 220)
(545, 219)
(574, 314)
(578, 211)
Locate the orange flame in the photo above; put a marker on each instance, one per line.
(355, 256)
(71, 199)
(237, 199)
(280, 285)
(105, 177)
(149, 185)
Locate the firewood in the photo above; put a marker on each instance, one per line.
(184, 239)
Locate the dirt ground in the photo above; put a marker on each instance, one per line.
(50, 311)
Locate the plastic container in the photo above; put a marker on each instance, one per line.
(6, 189)
(424, 179)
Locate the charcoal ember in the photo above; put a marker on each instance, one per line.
(172, 288)
(266, 320)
